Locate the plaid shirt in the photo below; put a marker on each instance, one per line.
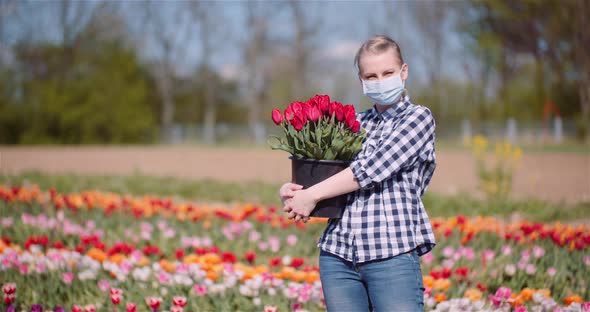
(386, 217)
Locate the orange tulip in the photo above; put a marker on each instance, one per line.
(572, 298)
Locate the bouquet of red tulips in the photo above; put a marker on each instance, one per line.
(319, 129)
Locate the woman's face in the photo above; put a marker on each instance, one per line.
(379, 66)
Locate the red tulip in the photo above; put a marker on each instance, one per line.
(153, 302)
(228, 257)
(116, 299)
(314, 113)
(277, 117)
(89, 308)
(76, 308)
(9, 288)
(356, 127)
(9, 298)
(297, 106)
(289, 113)
(323, 103)
(299, 121)
(179, 301)
(250, 257)
(296, 262)
(116, 291)
(336, 109)
(131, 307)
(275, 261)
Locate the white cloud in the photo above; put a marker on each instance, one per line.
(229, 71)
(342, 50)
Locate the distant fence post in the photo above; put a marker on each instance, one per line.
(466, 130)
(511, 130)
(557, 129)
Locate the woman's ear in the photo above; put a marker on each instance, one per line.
(404, 72)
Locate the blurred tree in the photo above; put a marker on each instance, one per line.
(95, 93)
(167, 27)
(549, 33)
(206, 15)
(257, 49)
(306, 28)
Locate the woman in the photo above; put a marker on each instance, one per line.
(369, 258)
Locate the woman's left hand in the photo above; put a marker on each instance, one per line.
(300, 205)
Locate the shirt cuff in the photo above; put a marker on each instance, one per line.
(361, 175)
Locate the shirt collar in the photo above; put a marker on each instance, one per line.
(392, 111)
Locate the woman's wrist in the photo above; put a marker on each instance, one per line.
(314, 194)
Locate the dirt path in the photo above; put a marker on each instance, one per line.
(552, 176)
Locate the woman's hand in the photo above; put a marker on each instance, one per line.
(288, 190)
(300, 205)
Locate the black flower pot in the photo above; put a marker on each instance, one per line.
(307, 172)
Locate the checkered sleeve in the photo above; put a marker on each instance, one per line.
(398, 150)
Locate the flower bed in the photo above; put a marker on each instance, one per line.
(102, 251)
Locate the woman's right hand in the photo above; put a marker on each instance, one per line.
(288, 190)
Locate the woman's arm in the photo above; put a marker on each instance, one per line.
(303, 202)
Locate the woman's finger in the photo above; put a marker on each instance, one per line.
(297, 218)
(296, 187)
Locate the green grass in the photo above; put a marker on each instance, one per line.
(267, 193)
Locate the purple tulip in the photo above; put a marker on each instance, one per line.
(11, 308)
(59, 309)
(36, 308)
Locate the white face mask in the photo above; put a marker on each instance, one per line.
(385, 91)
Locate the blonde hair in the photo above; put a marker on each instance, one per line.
(377, 45)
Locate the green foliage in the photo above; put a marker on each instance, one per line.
(100, 97)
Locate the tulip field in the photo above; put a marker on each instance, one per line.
(90, 250)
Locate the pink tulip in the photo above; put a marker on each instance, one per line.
(428, 258)
(291, 240)
(254, 236)
(504, 292)
(23, 269)
(200, 290)
(530, 269)
(104, 285)
(164, 278)
(520, 309)
(538, 252)
(488, 254)
(270, 309)
(551, 271)
(67, 277)
(176, 309)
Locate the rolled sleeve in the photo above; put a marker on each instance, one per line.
(361, 175)
(399, 149)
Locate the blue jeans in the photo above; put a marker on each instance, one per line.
(392, 284)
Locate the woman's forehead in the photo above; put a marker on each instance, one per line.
(376, 62)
